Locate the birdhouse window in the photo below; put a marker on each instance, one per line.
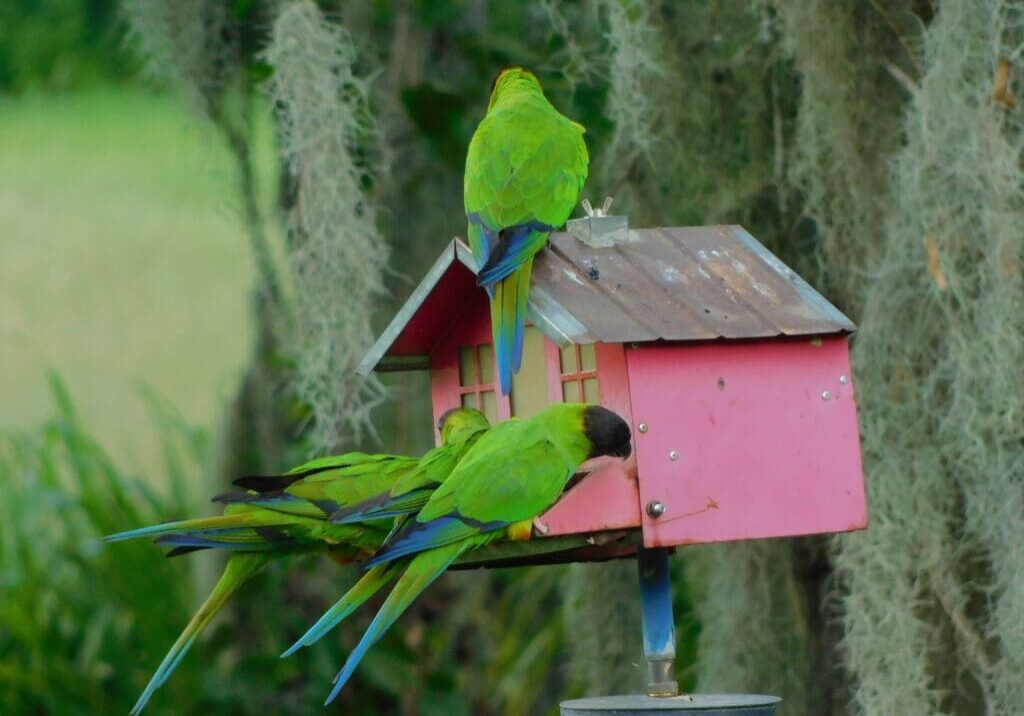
(578, 374)
(476, 379)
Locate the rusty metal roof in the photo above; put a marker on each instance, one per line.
(672, 284)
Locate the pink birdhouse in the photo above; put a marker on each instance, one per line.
(733, 372)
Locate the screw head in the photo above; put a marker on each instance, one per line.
(825, 395)
(843, 379)
(655, 508)
(673, 455)
(642, 427)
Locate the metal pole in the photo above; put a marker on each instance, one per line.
(658, 624)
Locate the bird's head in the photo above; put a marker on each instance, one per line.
(458, 422)
(607, 432)
(513, 80)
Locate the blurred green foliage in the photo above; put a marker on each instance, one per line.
(59, 44)
(83, 623)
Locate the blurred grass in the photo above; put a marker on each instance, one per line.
(120, 263)
(71, 610)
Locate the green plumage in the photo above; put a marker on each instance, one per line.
(525, 169)
(513, 473)
(288, 514)
(547, 451)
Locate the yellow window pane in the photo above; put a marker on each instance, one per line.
(590, 392)
(530, 385)
(486, 352)
(588, 358)
(568, 359)
(571, 391)
(490, 406)
(470, 400)
(467, 367)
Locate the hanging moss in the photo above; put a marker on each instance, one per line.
(328, 140)
(853, 59)
(932, 597)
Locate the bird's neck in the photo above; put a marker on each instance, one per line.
(516, 94)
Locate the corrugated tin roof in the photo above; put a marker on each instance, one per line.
(673, 284)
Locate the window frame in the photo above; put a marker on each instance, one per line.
(578, 376)
(502, 402)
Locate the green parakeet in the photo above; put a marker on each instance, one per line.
(287, 514)
(525, 170)
(511, 475)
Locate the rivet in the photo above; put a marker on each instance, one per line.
(642, 427)
(825, 395)
(843, 379)
(655, 508)
(673, 455)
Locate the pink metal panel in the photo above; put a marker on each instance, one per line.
(746, 440)
(607, 499)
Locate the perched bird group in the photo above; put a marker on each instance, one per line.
(407, 519)
(399, 517)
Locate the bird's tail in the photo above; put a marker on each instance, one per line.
(508, 322)
(424, 568)
(240, 568)
(219, 522)
(384, 506)
(370, 584)
(241, 527)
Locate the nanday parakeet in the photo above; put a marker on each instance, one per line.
(287, 514)
(525, 170)
(513, 473)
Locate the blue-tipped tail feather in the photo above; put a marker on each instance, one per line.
(219, 522)
(423, 569)
(365, 588)
(240, 568)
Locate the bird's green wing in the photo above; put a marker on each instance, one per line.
(344, 487)
(508, 479)
(412, 489)
(495, 486)
(525, 164)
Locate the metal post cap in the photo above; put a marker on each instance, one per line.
(693, 705)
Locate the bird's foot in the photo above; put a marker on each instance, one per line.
(521, 531)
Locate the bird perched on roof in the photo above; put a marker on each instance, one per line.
(524, 173)
(514, 472)
(287, 514)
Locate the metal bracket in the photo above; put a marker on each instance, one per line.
(597, 228)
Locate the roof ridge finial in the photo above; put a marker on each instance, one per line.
(597, 228)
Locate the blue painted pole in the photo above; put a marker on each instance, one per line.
(658, 624)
